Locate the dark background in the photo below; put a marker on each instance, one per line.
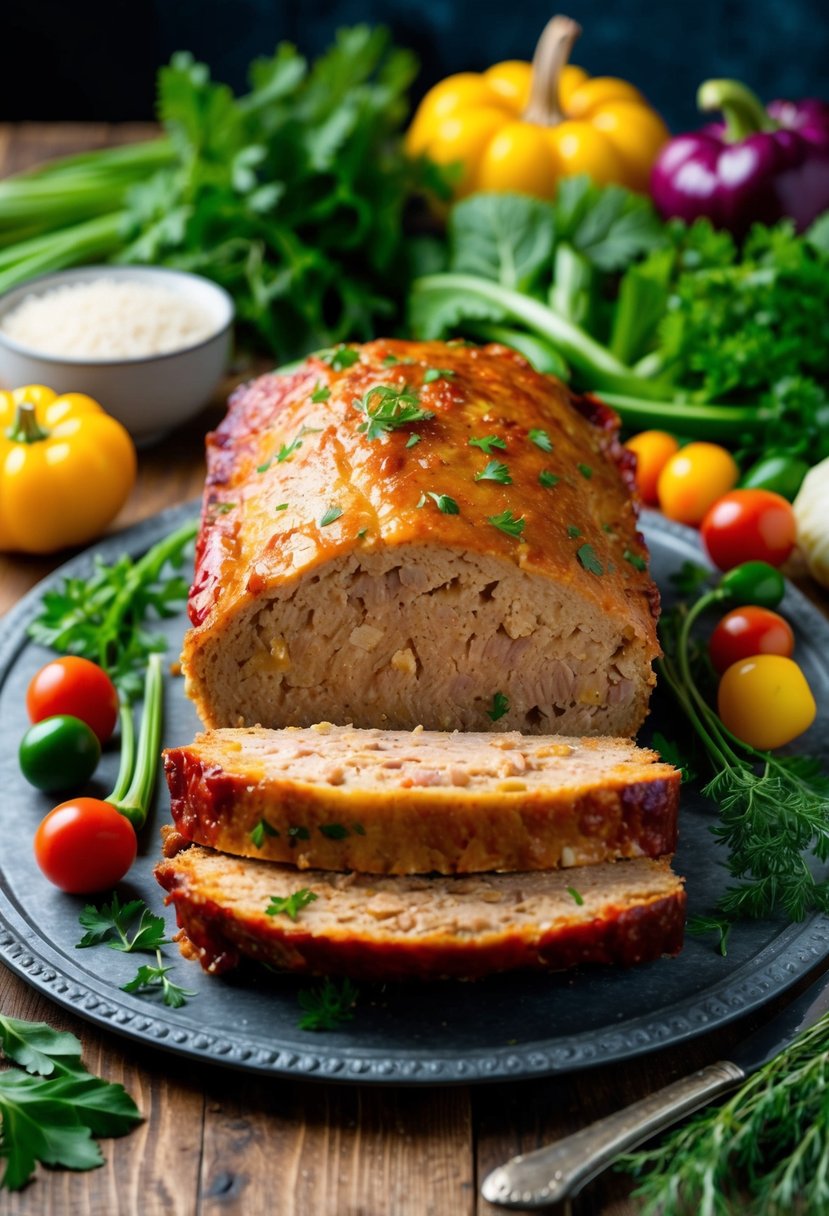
(96, 59)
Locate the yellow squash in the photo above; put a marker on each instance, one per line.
(520, 126)
(66, 469)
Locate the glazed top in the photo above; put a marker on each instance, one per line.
(496, 459)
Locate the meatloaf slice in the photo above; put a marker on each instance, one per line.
(407, 533)
(423, 928)
(389, 802)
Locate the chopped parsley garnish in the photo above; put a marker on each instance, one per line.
(358, 829)
(283, 506)
(222, 508)
(588, 559)
(390, 360)
(321, 393)
(387, 407)
(334, 831)
(573, 531)
(361, 533)
(442, 501)
(585, 471)
(635, 560)
(413, 440)
(327, 1006)
(437, 373)
(607, 528)
(258, 834)
(548, 479)
(291, 905)
(495, 471)
(506, 522)
(287, 450)
(339, 358)
(500, 706)
(330, 515)
(300, 833)
(541, 439)
(487, 443)
(576, 895)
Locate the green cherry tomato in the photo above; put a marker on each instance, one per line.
(753, 583)
(59, 753)
(782, 474)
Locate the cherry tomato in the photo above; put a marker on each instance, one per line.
(749, 525)
(85, 845)
(765, 701)
(653, 450)
(693, 479)
(754, 583)
(747, 631)
(74, 686)
(59, 753)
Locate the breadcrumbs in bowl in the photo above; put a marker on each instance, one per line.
(149, 344)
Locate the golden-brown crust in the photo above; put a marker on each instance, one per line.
(629, 813)
(261, 521)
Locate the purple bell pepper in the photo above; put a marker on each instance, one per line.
(757, 166)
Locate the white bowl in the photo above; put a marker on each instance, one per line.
(150, 394)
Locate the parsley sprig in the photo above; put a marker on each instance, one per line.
(487, 442)
(290, 905)
(506, 522)
(387, 407)
(495, 471)
(328, 1006)
(103, 616)
(114, 925)
(51, 1106)
(153, 978)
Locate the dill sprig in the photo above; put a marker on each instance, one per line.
(768, 1142)
(774, 810)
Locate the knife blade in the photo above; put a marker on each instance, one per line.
(560, 1170)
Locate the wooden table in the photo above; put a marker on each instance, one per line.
(215, 1142)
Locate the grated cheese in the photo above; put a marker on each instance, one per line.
(104, 319)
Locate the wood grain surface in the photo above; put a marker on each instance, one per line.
(218, 1144)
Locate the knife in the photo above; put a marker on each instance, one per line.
(560, 1170)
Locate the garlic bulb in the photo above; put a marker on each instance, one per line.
(811, 509)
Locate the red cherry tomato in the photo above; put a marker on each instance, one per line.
(85, 845)
(749, 631)
(749, 525)
(76, 687)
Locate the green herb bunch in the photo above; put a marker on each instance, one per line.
(765, 1150)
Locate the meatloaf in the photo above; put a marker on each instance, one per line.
(406, 533)
(421, 928)
(390, 802)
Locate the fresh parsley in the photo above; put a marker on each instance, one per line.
(495, 471)
(327, 1006)
(387, 407)
(339, 358)
(585, 471)
(541, 439)
(287, 450)
(290, 905)
(443, 502)
(573, 531)
(437, 373)
(298, 833)
(587, 558)
(334, 831)
(672, 753)
(115, 925)
(413, 440)
(222, 508)
(487, 443)
(51, 1110)
(260, 832)
(150, 979)
(283, 506)
(321, 393)
(506, 522)
(576, 896)
(636, 560)
(499, 707)
(103, 615)
(328, 517)
(548, 479)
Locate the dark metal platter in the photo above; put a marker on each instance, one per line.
(515, 1027)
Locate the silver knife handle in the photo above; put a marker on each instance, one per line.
(560, 1170)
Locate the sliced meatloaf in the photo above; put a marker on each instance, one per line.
(393, 802)
(421, 928)
(406, 533)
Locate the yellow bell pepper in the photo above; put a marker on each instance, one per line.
(521, 127)
(66, 469)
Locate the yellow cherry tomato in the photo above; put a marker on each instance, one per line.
(766, 701)
(653, 450)
(600, 126)
(693, 479)
(66, 469)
